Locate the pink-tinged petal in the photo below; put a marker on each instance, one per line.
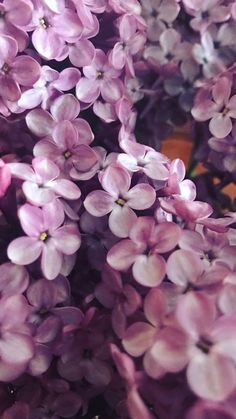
(156, 170)
(65, 108)
(111, 90)
(86, 91)
(149, 270)
(211, 377)
(82, 53)
(48, 330)
(138, 338)
(18, 14)
(45, 148)
(71, 317)
(141, 196)
(25, 70)
(85, 159)
(24, 250)
(85, 133)
(152, 367)
(105, 111)
(183, 267)
(129, 162)
(47, 43)
(67, 239)
(118, 56)
(8, 48)
(5, 179)
(67, 24)
(170, 350)
(65, 136)
(188, 190)
(41, 360)
(193, 211)
(155, 306)
(51, 260)
(220, 126)
(67, 79)
(9, 372)
(46, 169)
(40, 122)
(14, 312)
(227, 299)
(121, 220)
(177, 167)
(124, 364)
(221, 91)
(31, 98)
(31, 219)
(54, 215)
(99, 203)
(196, 313)
(142, 230)
(9, 88)
(232, 107)
(204, 110)
(14, 279)
(166, 235)
(22, 171)
(66, 189)
(42, 294)
(16, 348)
(56, 6)
(37, 195)
(116, 180)
(122, 255)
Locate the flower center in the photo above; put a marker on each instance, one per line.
(225, 111)
(5, 68)
(43, 236)
(120, 202)
(204, 345)
(100, 75)
(67, 154)
(43, 22)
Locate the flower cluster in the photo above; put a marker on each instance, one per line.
(117, 285)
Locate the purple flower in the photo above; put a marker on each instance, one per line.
(52, 30)
(158, 15)
(119, 200)
(42, 182)
(50, 85)
(46, 237)
(206, 12)
(100, 78)
(15, 71)
(220, 110)
(142, 250)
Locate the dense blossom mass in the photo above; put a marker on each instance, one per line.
(117, 264)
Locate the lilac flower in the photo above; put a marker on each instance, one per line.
(46, 237)
(50, 85)
(52, 30)
(100, 78)
(13, 18)
(142, 250)
(131, 43)
(119, 200)
(16, 71)
(208, 56)
(220, 110)
(42, 182)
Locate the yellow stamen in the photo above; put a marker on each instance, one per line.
(67, 154)
(43, 236)
(120, 202)
(225, 111)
